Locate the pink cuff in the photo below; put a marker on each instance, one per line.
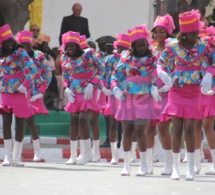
(211, 70)
(26, 83)
(159, 69)
(65, 84)
(42, 89)
(94, 81)
(113, 84)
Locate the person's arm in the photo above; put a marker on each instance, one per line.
(63, 30)
(87, 29)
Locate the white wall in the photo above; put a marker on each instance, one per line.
(105, 17)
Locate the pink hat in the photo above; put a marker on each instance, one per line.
(83, 42)
(24, 36)
(190, 21)
(138, 32)
(166, 22)
(70, 37)
(5, 33)
(210, 31)
(122, 40)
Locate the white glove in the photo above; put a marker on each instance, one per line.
(88, 94)
(98, 95)
(163, 89)
(118, 93)
(106, 91)
(210, 92)
(22, 89)
(35, 97)
(155, 94)
(2, 89)
(70, 95)
(206, 82)
(165, 78)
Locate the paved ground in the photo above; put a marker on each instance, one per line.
(97, 179)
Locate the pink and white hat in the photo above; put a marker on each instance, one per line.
(70, 37)
(190, 21)
(122, 40)
(24, 36)
(166, 22)
(5, 33)
(83, 42)
(138, 32)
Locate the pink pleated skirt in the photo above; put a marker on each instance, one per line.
(136, 107)
(101, 103)
(16, 103)
(184, 102)
(111, 106)
(39, 107)
(81, 104)
(208, 105)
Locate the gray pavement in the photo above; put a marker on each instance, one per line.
(97, 179)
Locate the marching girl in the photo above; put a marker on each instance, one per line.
(162, 29)
(186, 58)
(122, 43)
(208, 108)
(81, 70)
(132, 84)
(37, 88)
(19, 71)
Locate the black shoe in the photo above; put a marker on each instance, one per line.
(118, 145)
(106, 144)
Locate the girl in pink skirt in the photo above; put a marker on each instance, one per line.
(37, 88)
(81, 72)
(122, 43)
(132, 84)
(162, 29)
(185, 58)
(19, 71)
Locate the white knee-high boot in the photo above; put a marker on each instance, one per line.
(156, 149)
(212, 170)
(96, 151)
(168, 162)
(87, 155)
(197, 162)
(149, 161)
(81, 143)
(185, 153)
(190, 167)
(37, 151)
(16, 154)
(143, 165)
(8, 152)
(114, 160)
(127, 168)
(73, 153)
(176, 166)
(133, 152)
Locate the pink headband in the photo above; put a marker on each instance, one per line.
(122, 40)
(83, 42)
(70, 37)
(5, 33)
(138, 32)
(24, 36)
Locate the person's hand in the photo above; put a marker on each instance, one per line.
(35, 97)
(165, 78)
(70, 95)
(2, 89)
(98, 95)
(88, 94)
(22, 89)
(206, 82)
(210, 92)
(155, 94)
(118, 93)
(106, 91)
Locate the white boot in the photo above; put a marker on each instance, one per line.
(73, 153)
(114, 160)
(202, 154)
(168, 163)
(37, 151)
(120, 151)
(176, 165)
(143, 165)
(133, 152)
(96, 151)
(197, 166)
(16, 154)
(185, 153)
(149, 161)
(88, 155)
(81, 143)
(190, 167)
(156, 149)
(127, 168)
(8, 152)
(212, 170)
